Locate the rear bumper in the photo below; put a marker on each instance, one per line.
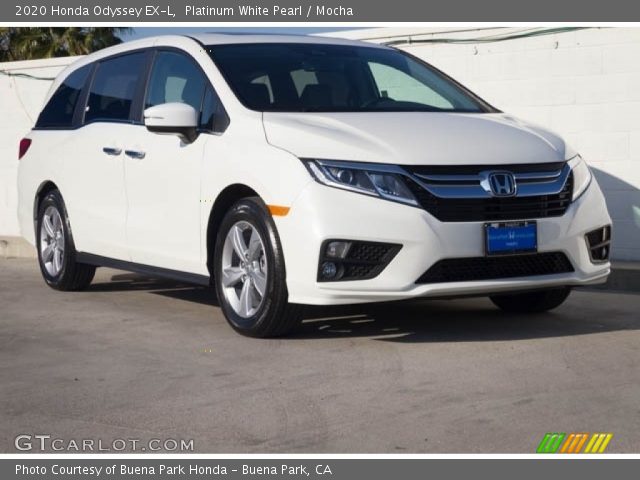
(322, 213)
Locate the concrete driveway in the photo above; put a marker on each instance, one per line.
(134, 357)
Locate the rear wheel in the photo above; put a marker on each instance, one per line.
(56, 250)
(249, 273)
(532, 302)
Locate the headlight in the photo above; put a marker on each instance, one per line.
(378, 180)
(581, 176)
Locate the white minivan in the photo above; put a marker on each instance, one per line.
(293, 170)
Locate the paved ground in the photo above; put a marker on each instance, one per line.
(139, 358)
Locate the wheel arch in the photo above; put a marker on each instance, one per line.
(227, 197)
(42, 191)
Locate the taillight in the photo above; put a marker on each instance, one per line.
(25, 143)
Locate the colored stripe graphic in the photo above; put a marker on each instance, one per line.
(550, 443)
(573, 442)
(581, 442)
(598, 443)
(569, 444)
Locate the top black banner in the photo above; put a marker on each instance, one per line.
(303, 11)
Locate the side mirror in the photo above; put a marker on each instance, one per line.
(173, 119)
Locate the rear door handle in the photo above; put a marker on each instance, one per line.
(112, 150)
(134, 154)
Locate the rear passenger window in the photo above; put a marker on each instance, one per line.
(175, 78)
(58, 112)
(114, 87)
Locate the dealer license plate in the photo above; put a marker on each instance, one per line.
(511, 237)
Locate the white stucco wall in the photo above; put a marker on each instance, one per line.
(584, 84)
(20, 103)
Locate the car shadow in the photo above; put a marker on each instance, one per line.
(461, 320)
(158, 286)
(415, 321)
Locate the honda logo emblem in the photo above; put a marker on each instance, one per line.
(502, 184)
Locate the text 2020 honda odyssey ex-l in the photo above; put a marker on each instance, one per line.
(297, 170)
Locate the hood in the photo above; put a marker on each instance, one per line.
(414, 138)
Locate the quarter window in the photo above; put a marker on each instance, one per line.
(214, 117)
(59, 111)
(113, 89)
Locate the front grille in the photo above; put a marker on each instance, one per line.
(454, 204)
(494, 268)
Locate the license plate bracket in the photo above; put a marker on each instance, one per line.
(510, 238)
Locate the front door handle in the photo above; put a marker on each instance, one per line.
(112, 150)
(134, 154)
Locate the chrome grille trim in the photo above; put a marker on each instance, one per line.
(529, 184)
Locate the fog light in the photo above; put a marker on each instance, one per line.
(337, 249)
(349, 260)
(329, 270)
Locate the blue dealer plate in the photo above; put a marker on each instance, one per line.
(510, 237)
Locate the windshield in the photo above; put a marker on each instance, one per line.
(307, 77)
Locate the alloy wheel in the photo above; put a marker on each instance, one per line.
(52, 241)
(244, 269)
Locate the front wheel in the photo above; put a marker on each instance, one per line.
(532, 302)
(249, 273)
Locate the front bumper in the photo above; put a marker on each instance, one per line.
(322, 213)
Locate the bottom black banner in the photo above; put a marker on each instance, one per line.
(328, 469)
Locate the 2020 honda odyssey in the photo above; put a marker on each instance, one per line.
(300, 170)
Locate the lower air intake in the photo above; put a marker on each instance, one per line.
(599, 244)
(360, 261)
(494, 268)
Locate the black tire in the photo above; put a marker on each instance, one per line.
(532, 302)
(274, 316)
(72, 275)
